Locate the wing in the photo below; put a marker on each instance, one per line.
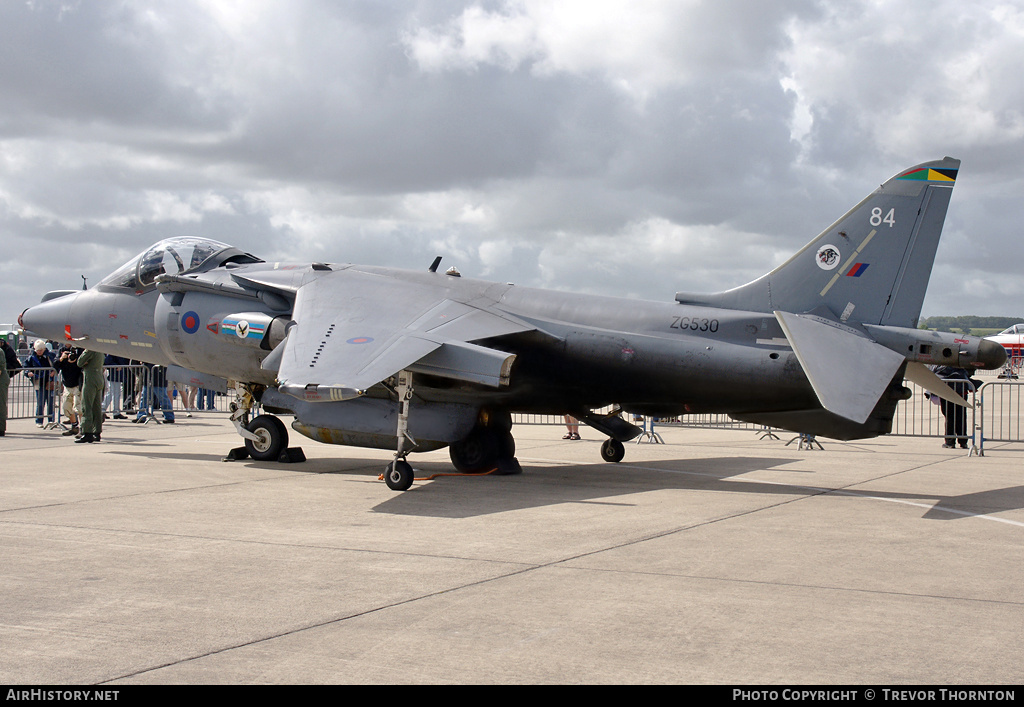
(355, 329)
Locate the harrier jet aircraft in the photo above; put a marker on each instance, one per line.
(416, 360)
(1011, 339)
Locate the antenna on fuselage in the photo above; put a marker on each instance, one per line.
(84, 284)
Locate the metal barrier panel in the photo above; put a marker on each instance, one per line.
(188, 399)
(536, 419)
(1000, 407)
(920, 416)
(531, 418)
(21, 398)
(31, 388)
(995, 410)
(994, 413)
(917, 416)
(122, 388)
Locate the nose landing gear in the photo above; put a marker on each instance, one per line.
(269, 437)
(266, 437)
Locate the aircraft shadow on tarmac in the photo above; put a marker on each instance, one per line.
(982, 503)
(451, 495)
(612, 485)
(461, 497)
(149, 450)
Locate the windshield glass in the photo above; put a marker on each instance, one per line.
(172, 256)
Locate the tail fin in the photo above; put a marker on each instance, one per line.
(870, 266)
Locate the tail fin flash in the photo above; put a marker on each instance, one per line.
(870, 266)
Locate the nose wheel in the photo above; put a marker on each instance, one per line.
(267, 439)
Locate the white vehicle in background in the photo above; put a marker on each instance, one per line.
(1011, 339)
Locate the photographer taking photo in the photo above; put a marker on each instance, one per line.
(71, 376)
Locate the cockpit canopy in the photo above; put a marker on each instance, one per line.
(174, 256)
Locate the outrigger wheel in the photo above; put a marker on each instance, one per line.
(612, 450)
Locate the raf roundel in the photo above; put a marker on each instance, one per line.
(190, 322)
(360, 340)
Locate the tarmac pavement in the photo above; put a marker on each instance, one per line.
(716, 557)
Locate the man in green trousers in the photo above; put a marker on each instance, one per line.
(91, 363)
(5, 381)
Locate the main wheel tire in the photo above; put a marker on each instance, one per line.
(272, 438)
(506, 444)
(398, 475)
(476, 453)
(612, 450)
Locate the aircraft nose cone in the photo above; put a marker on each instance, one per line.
(49, 318)
(991, 355)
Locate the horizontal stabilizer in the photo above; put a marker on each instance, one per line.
(848, 371)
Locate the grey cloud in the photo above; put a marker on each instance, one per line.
(308, 130)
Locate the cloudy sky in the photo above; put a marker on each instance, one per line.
(626, 148)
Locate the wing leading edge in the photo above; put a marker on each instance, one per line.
(355, 329)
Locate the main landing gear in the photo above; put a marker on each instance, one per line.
(398, 474)
(488, 447)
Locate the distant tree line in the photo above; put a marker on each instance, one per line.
(967, 323)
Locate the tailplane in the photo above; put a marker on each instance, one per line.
(871, 266)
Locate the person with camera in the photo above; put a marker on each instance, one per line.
(71, 377)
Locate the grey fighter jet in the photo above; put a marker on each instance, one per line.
(416, 360)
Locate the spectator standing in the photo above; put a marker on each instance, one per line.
(959, 379)
(207, 399)
(154, 392)
(71, 377)
(115, 373)
(39, 370)
(573, 427)
(91, 364)
(5, 382)
(9, 367)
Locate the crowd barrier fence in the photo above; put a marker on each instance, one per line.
(122, 395)
(995, 409)
(995, 413)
